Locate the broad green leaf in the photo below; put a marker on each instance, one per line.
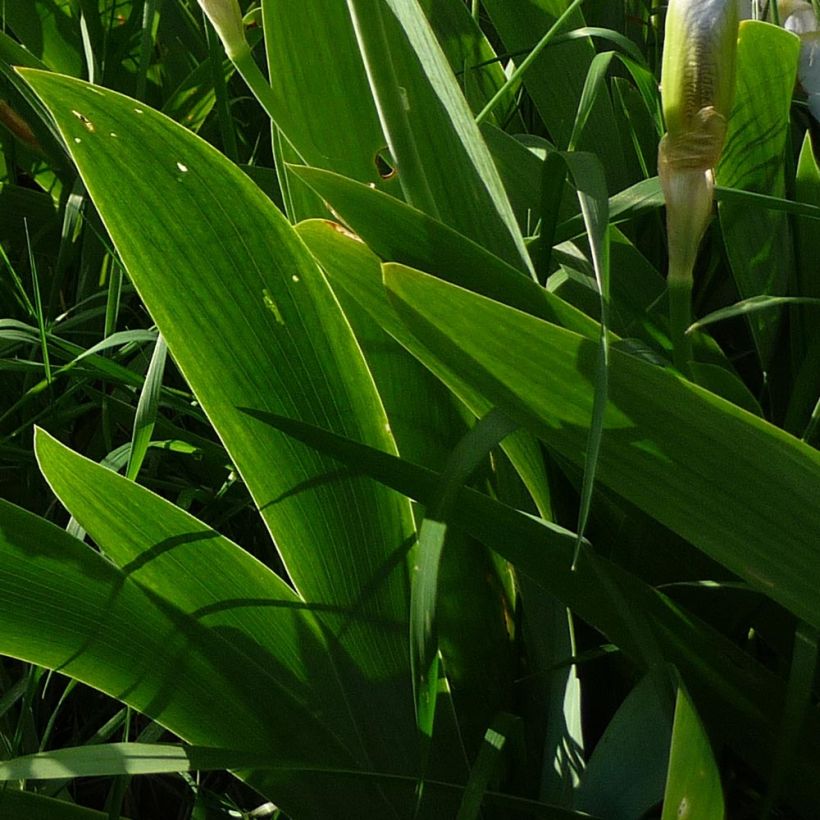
(427, 423)
(313, 55)
(421, 412)
(67, 608)
(757, 517)
(693, 787)
(127, 758)
(161, 547)
(625, 775)
(738, 691)
(155, 758)
(49, 31)
(250, 321)
(19, 805)
(351, 267)
(444, 166)
(757, 242)
(398, 232)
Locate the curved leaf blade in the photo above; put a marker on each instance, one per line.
(757, 242)
(738, 488)
(250, 320)
(693, 783)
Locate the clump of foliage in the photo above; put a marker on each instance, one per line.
(388, 485)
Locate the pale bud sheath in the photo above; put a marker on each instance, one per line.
(697, 88)
(226, 18)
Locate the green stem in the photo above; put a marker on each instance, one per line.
(680, 317)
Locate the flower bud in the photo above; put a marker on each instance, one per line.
(698, 79)
(797, 16)
(226, 18)
(697, 89)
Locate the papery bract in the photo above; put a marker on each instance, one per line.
(226, 18)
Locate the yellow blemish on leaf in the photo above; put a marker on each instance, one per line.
(344, 231)
(270, 304)
(89, 126)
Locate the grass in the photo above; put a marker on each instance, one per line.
(350, 463)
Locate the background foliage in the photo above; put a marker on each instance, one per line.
(377, 494)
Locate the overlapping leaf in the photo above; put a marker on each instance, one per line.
(251, 322)
(736, 487)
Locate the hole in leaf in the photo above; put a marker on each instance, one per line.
(385, 164)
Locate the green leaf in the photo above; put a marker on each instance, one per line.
(556, 79)
(693, 783)
(476, 445)
(659, 431)
(646, 196)
(249, 320)
(67, 608)
(18, 805)
(126, 758)
(398, 232)
(421, 412)
(444, 166)
(738, 691)
(161, 547)
(750, 305)
(757, 242)
(312, 55)
(353, 268)
(157, 758)
(625, 775)
(427, 423)
(594, 83)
